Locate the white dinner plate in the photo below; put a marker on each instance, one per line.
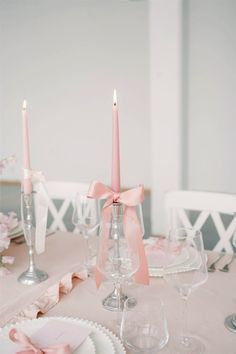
(181, 263)
(16, 231)
(100, 341)
(156, 255)
(119, 348)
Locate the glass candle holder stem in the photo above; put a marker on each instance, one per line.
(32, 275)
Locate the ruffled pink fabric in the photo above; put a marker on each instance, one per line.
(50, 298)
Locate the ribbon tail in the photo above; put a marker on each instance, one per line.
(98, 277)
(142, 275)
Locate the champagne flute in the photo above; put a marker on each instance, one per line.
(186, 270)
(86, 218)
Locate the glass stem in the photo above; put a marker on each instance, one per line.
(31, 258)
(86, 251)
(28, 231)
(184, 335)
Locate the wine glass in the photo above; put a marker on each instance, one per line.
(118, 256)
(86, 218)
(186, 270)
(144, 326)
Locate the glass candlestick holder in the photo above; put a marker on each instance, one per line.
(32, 275)
(122, 260)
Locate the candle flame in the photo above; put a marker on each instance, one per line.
(24, 105)
(114, 97)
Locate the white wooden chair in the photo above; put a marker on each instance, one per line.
(179, 203)
(64, 192)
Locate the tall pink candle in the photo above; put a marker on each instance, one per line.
(27, 184)
(115, 174)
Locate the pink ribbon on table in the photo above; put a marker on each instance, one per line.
(29, 348)
(129, 199)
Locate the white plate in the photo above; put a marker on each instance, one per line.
(116, 341)
(182, 263)
(156, 254)
(98, 342)
(17, 231)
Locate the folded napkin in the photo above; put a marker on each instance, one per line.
(54, 337)
(19, 337)
(159, 252)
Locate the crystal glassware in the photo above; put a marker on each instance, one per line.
(186, 270)
(32, 275)
(112, 301)
(86, 218)
(144, 326)
(119, 260)
(230, 322)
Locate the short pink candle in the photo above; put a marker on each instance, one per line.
(27, 183)
(115, 174)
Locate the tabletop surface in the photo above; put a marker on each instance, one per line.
(208, 305)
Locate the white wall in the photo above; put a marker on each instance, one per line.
(1, 71)
(166, 104)
(211, 80)
(193, 110)
(65, 57)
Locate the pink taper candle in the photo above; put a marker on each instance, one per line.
(115, 174)
(27, 184)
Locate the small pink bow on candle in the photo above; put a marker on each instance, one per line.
(129, 199)
(29, 348)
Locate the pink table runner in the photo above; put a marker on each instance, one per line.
(63, 262)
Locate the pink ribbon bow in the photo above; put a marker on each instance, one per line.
(129, 199)
(29, 348)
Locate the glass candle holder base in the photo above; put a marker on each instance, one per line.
(113, 303)
(230, 323)
(31, 277)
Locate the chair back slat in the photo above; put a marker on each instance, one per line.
(210, 205)
(65, 192)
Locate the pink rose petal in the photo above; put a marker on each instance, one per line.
(4, 271)
(4, 243)
(8, 259)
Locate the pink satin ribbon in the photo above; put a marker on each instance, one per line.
(129, 199)
(29, 348)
